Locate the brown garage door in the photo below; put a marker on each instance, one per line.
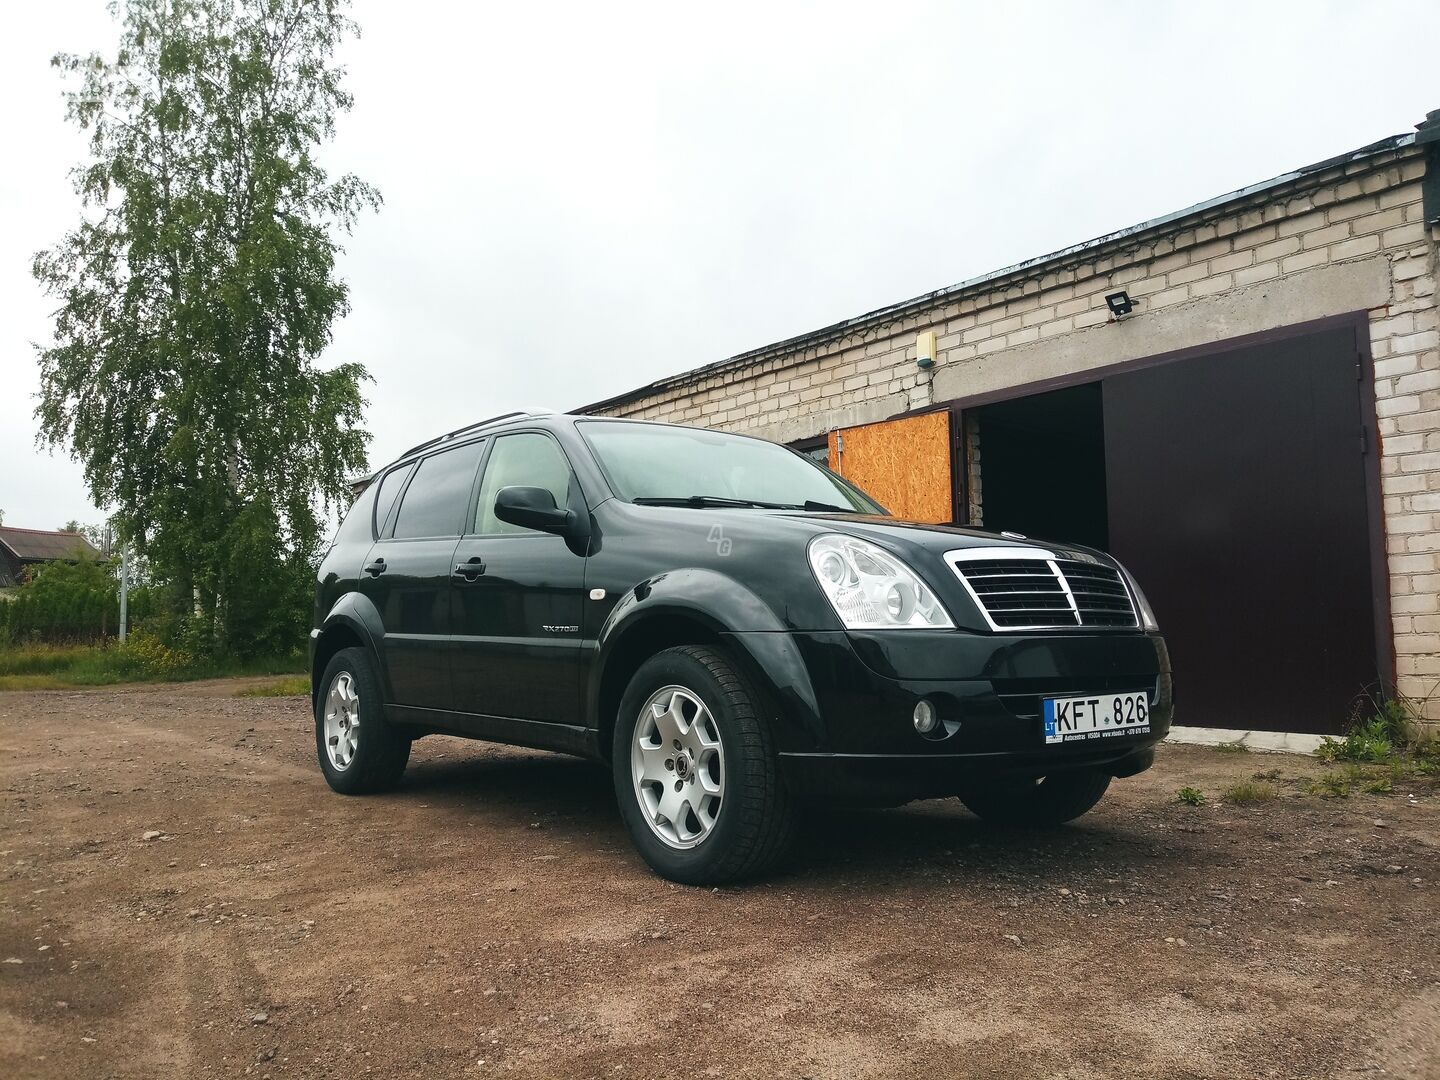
(1236, 491)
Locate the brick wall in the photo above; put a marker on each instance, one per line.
(1347, 238)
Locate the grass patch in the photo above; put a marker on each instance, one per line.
(291, 686)
(1190, 796)
(1236, 747)
(142, 658)
(1385, 746)
(1251, 793)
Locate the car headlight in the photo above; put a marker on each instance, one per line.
(871, 589)
(1147, 613)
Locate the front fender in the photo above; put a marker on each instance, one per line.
(726, 609)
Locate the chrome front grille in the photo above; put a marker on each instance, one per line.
(1031, 589)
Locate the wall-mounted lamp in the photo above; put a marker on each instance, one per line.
(925, 350)
(1119, 304)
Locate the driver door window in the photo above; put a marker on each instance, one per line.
(527, 459)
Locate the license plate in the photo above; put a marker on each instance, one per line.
(1100, 716)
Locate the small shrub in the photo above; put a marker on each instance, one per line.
(144, 656)
(1368, 741)
(1236, 747)
(1191, 796)
(1251, 792)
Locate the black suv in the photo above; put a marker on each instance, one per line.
(727, 626)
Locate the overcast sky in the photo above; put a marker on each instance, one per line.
(580, 198)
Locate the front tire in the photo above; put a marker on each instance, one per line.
(695, 769)
(360, 751)
(1050, 801)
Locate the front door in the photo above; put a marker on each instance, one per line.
(407, 576)
(517, 596)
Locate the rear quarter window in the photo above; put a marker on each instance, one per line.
(390, 486)
(355, 528)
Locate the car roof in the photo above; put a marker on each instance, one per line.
(544, 418)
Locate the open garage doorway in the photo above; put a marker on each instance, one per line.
(1042, 465)
(1234, 483)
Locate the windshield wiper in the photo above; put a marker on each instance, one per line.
(698, 501)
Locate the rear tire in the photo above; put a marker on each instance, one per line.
(360, 751)
(693, 740)
(1050, 801)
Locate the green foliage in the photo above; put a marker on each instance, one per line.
(1251, 792)
(294, 686)
(1379, 731)
(142, 658)
(1191, 796)
(68, 601)
(1236, 747)
(196, 295)
(1352, 778)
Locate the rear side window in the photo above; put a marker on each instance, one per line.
(435, 502)
(391, 484)
(526, 459)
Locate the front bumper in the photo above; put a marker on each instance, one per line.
(987, 691)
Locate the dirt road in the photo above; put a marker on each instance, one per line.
(489, 919)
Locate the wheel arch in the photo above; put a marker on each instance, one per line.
(346, 627)
(701, 607)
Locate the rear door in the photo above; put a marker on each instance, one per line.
(518, 596)
(407, 575)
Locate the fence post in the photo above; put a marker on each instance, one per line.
(124, 589)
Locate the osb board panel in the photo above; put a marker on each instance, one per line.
(904, 464)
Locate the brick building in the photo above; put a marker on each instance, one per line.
(1259, 438)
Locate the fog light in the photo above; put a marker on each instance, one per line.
(925, 719)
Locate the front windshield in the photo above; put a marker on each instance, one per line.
(647, 462)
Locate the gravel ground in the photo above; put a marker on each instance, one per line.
(181, 895)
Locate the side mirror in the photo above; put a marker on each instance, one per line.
(532, 508)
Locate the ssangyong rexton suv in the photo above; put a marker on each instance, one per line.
(729, 628)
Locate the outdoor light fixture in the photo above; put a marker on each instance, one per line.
(925, 350)
(1120, 304)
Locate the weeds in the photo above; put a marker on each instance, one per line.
(1190, 796)
(291, 686)
(141, 658)
(1236, 747)
(1251, 792)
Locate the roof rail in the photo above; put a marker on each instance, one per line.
(471, 427)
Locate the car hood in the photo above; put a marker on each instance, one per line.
(764, 549)
(901, 536)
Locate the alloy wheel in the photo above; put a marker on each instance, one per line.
(342, 721)
(677, 762)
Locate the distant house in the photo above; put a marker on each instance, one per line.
(21, 548)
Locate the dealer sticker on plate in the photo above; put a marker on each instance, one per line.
(1099, 717)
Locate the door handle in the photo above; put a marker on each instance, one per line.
(469, 570)
(376, 568)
